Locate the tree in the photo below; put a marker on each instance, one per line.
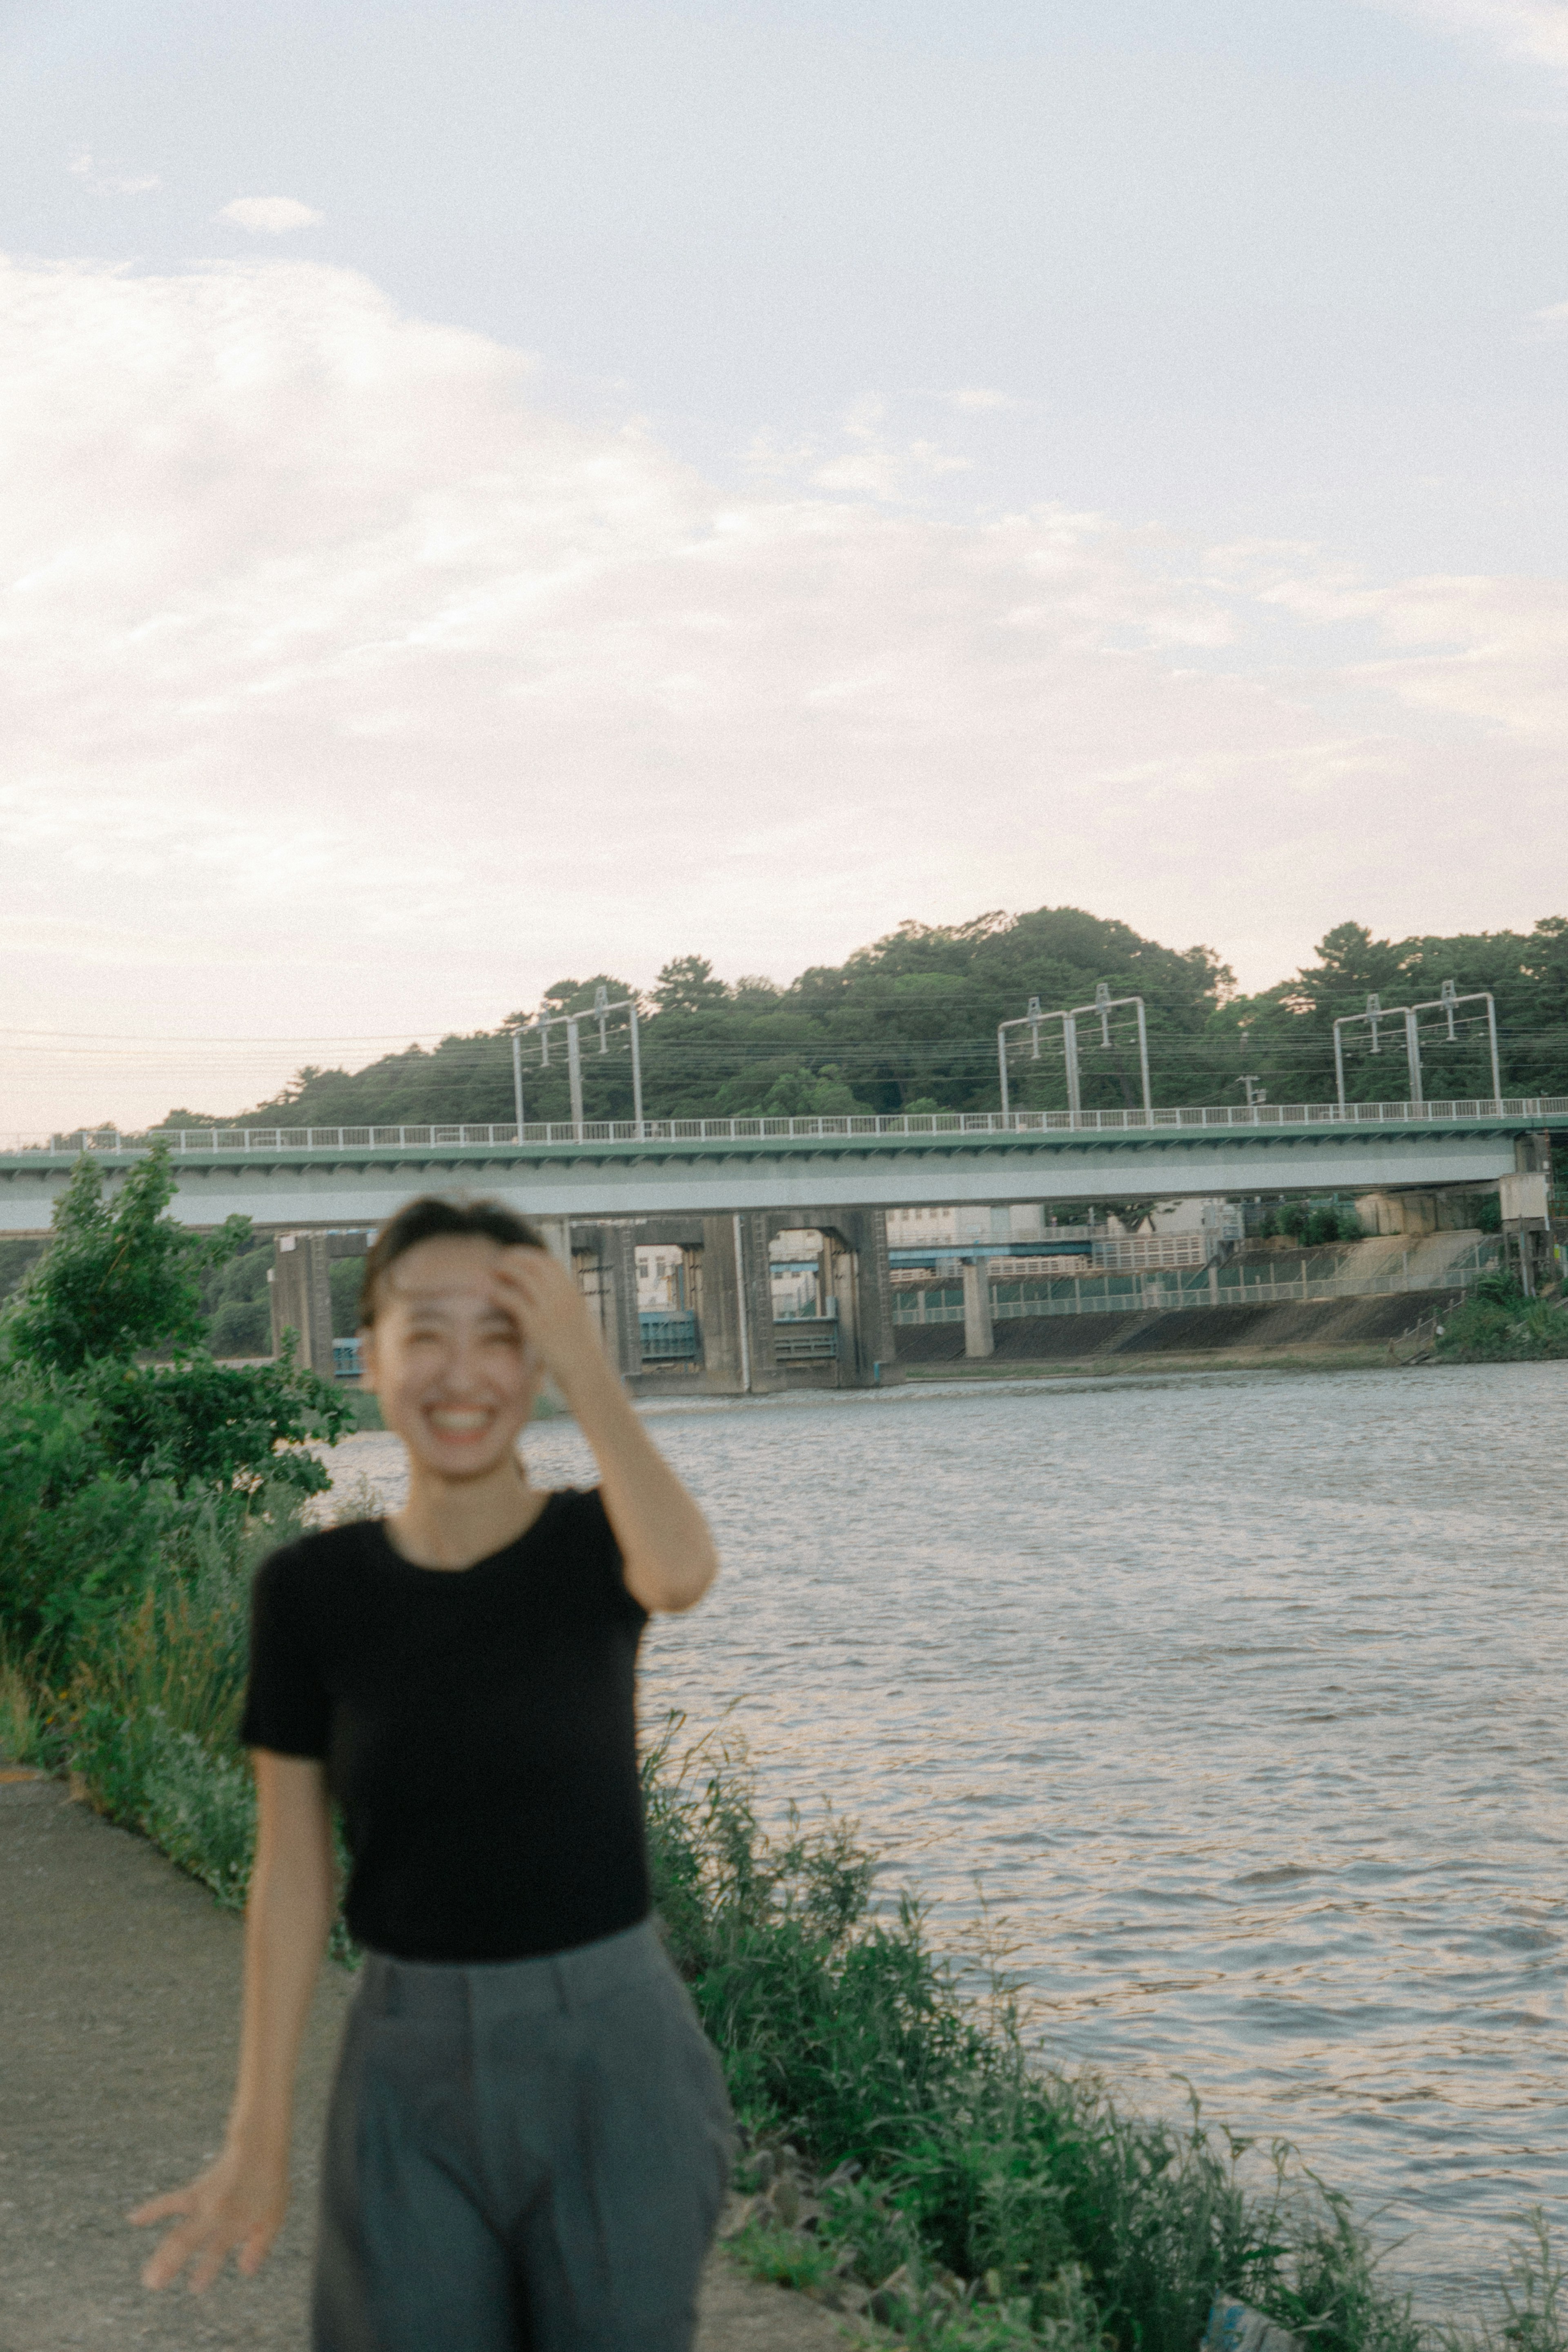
(119, 1279)
(122, 1281)
(687, 984)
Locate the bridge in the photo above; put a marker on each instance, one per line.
(719, 1190)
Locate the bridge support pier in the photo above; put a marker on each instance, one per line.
(604, 1259)
(302, 1298)
(735, 1316)
(730, 1289)
(979, 1334)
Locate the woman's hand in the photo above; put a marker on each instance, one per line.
(551, 1313)
(238, 2203)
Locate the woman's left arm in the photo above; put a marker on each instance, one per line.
(667, 1554)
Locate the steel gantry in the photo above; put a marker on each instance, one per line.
(572, 1023)
(1447, 1004)
(1105, 1004)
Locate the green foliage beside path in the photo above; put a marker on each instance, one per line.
(983, 2201)
(121, 1439)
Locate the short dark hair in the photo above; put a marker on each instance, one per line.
(430, 1218)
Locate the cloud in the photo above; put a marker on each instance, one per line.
(269, 216)
(1533, 30)
(1552, 321)
(134, 183)
(348, 686)
(976, 398)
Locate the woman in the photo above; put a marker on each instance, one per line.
(529, 2138)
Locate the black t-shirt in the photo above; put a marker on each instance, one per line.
(478, 1728)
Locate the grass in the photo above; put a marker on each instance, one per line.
(21, 1717)
(916, 2159)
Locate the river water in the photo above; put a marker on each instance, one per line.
(1242, 1698)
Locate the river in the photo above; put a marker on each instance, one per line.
(1242, 1698)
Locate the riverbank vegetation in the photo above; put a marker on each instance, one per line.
(125, 1448)
(909, 2156)
(1497, 1324)
(910, 1022)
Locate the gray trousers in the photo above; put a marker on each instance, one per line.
(525, 2157)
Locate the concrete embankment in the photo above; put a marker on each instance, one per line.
(1331, 1329)
(117, 2033)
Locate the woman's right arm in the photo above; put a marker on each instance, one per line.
(239, 2202)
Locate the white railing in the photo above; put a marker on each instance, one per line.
(1233, 1286)
(918, 1126)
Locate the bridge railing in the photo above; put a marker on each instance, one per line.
(913, 1127)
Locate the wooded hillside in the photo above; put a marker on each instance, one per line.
(910, 1023)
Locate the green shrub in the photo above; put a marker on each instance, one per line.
(119, 1277)
(842, 2031)
(237, 1302)
(1497, 1324)
(202, 1424)
(78, 1541)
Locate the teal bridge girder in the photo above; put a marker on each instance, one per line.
(287, 1177)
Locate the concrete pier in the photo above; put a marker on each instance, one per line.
(979, 1334)
(302, 1296)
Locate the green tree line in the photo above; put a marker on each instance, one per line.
(909, 1024)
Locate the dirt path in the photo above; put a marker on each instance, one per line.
(118, 1993)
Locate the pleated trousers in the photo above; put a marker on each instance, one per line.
(528, 2155)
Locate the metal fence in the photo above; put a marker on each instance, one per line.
(669, 1338)
(800, 1341)
(192, 1141)
(1160, 1293)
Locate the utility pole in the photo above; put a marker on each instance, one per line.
(1448, 1003)
(1105, 1004)
(518, 1080)
(572, 1023)
(574, 1072)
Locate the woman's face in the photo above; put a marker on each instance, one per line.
(455, 1377)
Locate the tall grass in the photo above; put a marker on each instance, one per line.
(982, 2198)
(1017, 2203)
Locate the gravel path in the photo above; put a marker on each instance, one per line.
(119, 1999)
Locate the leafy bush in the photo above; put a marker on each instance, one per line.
(118, 1278)
(107, 1462)
(237, 1303)
(1313, 1228)
(78, 1540)
(1496, 1324)
(199, 1423)
(843, 2032)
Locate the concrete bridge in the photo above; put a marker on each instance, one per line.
(719, 1191)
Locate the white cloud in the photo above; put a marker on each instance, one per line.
(1553, 320)
(130, 184)
(269, 216)
(348, 689)
(976, 398)
(1534, 30)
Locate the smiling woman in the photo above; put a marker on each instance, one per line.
(461, 1679)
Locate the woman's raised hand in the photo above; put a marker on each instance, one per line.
(551, 1313)
(237, 2203)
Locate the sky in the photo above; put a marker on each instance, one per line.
(496, 492)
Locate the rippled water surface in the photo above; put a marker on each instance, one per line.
(1243, 1696)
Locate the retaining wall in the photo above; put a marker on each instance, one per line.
(1186, 1330)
